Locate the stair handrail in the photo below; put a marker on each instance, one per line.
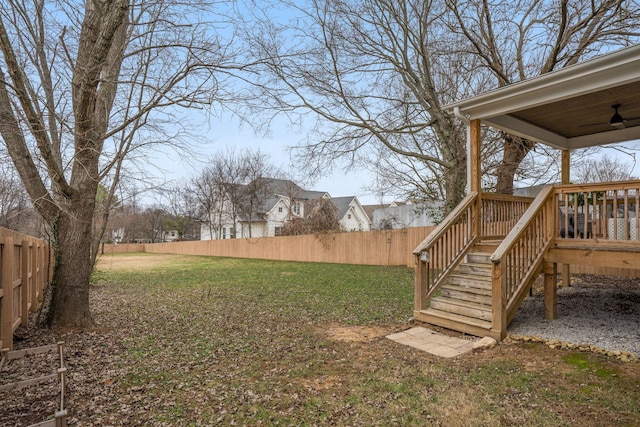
(518, 259)
(446, 223)
(434, 264)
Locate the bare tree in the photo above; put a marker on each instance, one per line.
(602, 169)
(83, 86)
(374, 73)
(257, 188)
(152, 226)
(321, 216)
(232, 188)
(182, 210)
(209, 191)
(373, 76)
(16, 212)
(521, 39)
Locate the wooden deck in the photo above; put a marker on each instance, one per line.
(456, 288)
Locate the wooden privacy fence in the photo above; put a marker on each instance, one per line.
(24, 274)
(385, 247)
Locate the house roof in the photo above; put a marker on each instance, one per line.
(312, 195)
(568, 108)
(283, 187)
(288, 188)
(343, 204)
(370, 208)
(270, 191)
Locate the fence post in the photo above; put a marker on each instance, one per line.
(6, 308)
(48, 266)
(44, 270)
(26, 283)
(35, 274)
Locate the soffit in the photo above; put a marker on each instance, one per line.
(569, 108)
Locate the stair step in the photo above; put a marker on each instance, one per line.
(475, 268)
(445, 319)
(470, 280)
(485, 249)
(477, 295)
(486, 246)
(463, 308)
(479, 257)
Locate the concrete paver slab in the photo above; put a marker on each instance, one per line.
(432, 342)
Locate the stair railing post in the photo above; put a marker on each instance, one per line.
(420, 288)
(476, 215)
(498, 303)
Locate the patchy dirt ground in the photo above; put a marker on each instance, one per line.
(143, 367)
(139, 261)
(354, 333)
(94, 397)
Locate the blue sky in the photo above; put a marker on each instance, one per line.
(223, 133)
(337, 183)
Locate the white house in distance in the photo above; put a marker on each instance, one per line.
(403, 215)
(264, 206)
(352, 215)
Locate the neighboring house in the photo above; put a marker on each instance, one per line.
(259, 209)
(369, 209)
(400, 215)
(170, 236)
(531, 191)
(276, 202)
(117, 235)
(265, 205)
(221, 222)
(352, 216)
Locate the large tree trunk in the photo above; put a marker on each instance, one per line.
(455, 157)
(515, 150)
(72, 269)
(455, 185)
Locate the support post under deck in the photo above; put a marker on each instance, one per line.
(550, 291)
(566, 179)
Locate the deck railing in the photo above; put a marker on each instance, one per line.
(600, 212)
(500, 213)
(518, 259)
(564, 216)
(444, 248)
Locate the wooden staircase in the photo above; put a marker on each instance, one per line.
(464, 300)
(474, 269)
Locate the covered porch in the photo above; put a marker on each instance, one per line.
(475, 269)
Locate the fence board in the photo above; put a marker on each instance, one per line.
(384, 247)
(24, 264)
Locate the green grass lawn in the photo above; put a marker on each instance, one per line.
(219, 341)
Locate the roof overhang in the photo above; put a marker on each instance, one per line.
(569, 108)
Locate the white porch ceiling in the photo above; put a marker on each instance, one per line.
(569, 108)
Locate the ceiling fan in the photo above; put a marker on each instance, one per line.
(617, 121)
